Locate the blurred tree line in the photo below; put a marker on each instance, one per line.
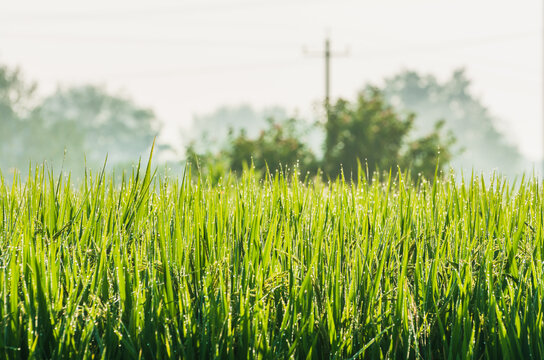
(413, 122)
(367, 131)
(71, 128)
(479, 145)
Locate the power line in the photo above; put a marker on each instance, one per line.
(381, 53)
(448, 45)
(107, 14)
(154, 40)
(156, 73)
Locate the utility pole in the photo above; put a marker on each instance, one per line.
(327, 55)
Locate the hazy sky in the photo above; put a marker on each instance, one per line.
(188, 57)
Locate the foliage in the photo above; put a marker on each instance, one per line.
(153, 268)
(479, 144)
(368, 130)
(16, 97)
(88, 121)
(371, 131)
(278, 146)
(212, 165)
(210, 132)
(72, 128)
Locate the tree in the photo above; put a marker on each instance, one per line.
(84, 122)
(480, 145)
(210, 132)
(370, 131)
(16, 98)
(89, 122)
(278, 146)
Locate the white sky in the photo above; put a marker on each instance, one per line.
(188, 57)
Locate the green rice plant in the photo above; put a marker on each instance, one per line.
(151, 266)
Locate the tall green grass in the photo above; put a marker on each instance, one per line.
(282, 267)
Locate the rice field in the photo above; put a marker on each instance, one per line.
(282, 267)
